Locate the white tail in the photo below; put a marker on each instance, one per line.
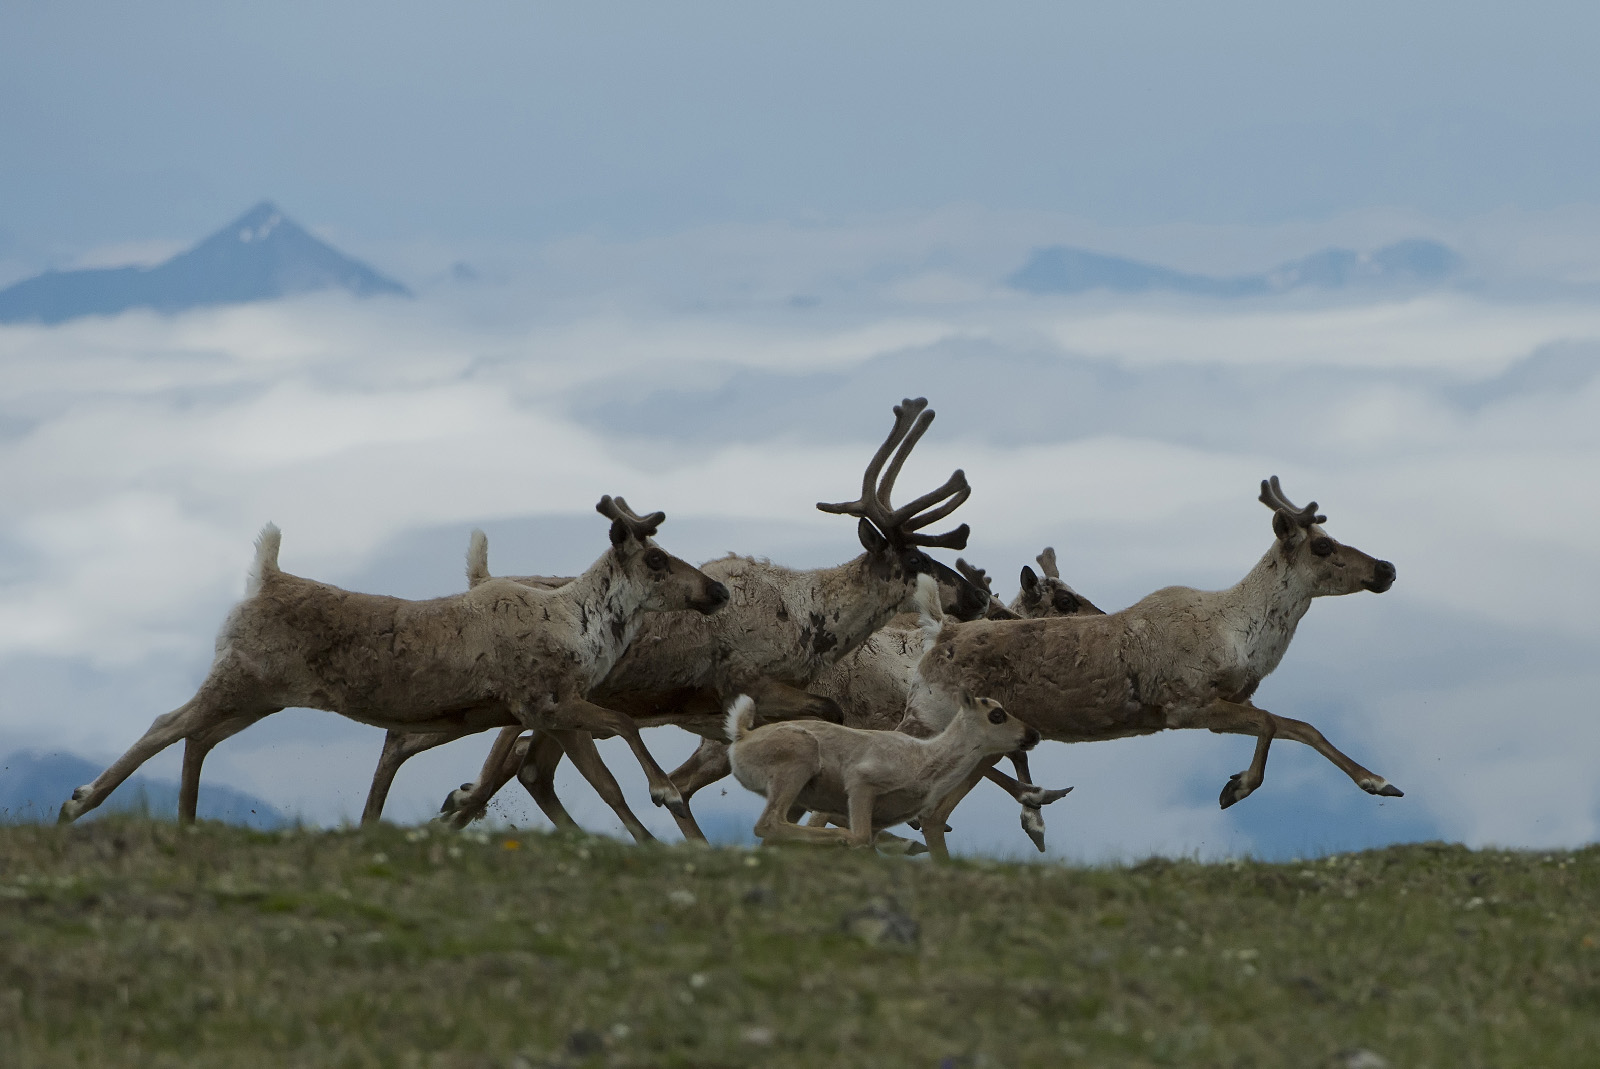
(741, 717)
(266, 562)
(930, 613)
(477, 558)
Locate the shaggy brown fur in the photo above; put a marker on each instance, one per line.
(1180, 658)
(500, 653)
(782, 629)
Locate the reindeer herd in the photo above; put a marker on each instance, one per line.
(866, 695)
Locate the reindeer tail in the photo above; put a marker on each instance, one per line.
(741, 717)
(929, 611)
(478, 558)
(266, 563)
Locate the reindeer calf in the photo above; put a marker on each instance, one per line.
(869, 779)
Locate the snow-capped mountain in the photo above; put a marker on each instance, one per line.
(259, 256)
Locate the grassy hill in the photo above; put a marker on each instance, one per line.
(132, 942)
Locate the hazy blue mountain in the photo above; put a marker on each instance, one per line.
(259, 256)
(1064, 269)
(33, 786)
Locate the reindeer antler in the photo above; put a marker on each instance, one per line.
(897, 524)
(974, 575)
(617, 510)
(1272, 497)
(1047, 563)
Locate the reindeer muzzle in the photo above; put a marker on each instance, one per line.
(716, 597)
(1382, 577)
(1030, 739)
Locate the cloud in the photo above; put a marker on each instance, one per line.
(141, 455)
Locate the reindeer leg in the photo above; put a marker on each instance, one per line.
(217, 701)
(1246, 719)
(1239, 719)
(195, 749)
(580, 747)
(779, 701)
(580, 715)
(466, 803)
(398, 748)
(1371, 782)
(933, 820)
(775, 826)
(538, 777)
(861, 799)
(707, 765)
(1030, 796)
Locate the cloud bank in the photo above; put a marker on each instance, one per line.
(1452, 434)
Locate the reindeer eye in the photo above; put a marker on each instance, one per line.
(997, 716)
(655, 559)
(1322, 547)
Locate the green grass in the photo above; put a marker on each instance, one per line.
(131, 942)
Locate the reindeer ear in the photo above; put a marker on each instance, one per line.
(1286, 527)
(619, 532)
(1030, 582)
(870, 538)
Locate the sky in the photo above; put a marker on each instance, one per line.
(714, 244)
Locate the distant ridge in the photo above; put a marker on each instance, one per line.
(33, 786)
(259, 256)
(1405, 264)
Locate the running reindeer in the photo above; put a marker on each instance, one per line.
(501, 653)
(872, 684)
(1179, 658)
(866, 780)
(782, 629)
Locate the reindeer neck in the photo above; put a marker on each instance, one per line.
(606, 606)
(1264, 608)
(852, 603)
(950, 756)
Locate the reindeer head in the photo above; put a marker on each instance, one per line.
(889, 534)
(1329, 567)
(669, 583)
(999, 731)
(1050, 596)
(994, 608)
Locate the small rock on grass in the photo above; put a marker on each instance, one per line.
(882, 923)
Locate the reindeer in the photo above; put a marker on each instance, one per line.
(1051, 591)
(782, 629)
(1179, 658)
(502, 653)
(873, 683)
(869, 780)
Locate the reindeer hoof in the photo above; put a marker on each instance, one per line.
(1038, 796)
(1383, 787)
(1033, 825)
(1233, 791)
(70, 811)
(914, 824)
(674, 804)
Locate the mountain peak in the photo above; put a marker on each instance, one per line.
(257, 224)
(1409, 264)
(261, 255)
